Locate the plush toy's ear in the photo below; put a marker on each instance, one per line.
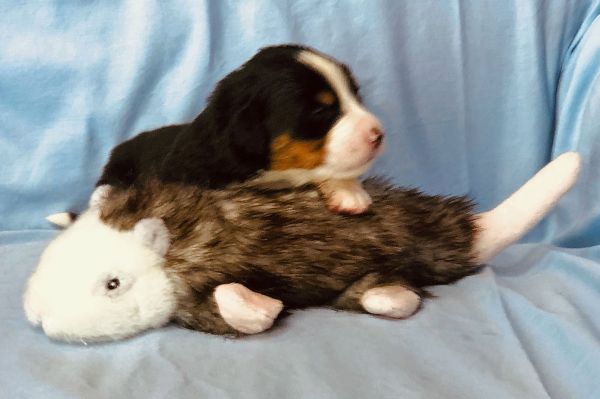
(153, 233)
(99, 196)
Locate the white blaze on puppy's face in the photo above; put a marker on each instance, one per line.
(356, 138)
(95, 283)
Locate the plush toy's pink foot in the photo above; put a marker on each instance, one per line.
(392, 301)
(247, 311)
(346, 196)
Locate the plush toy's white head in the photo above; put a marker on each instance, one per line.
(95, 283)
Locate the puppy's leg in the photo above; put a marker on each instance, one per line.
(246, 311)
(345, 196)
(372, 295)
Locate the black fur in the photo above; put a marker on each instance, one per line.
(229, 141)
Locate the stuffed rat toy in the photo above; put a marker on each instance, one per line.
(227, 261)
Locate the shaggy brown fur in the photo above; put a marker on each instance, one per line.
(287, 245)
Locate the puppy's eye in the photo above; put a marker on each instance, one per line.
(319, 109)
(113, 284)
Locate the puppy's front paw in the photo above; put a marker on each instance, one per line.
(346, 197)
(353, 202)
(246, 311)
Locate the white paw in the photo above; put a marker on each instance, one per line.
(392, 301)
(247, 311)
(352, 199)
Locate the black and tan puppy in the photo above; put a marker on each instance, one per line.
(289, 114)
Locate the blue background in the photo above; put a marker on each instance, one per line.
(475, 96)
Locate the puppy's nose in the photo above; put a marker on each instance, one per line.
(375, 136)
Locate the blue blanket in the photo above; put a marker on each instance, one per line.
(475, 96)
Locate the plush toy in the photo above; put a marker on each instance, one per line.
(228, 261)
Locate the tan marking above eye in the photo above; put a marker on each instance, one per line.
(325, 98)
(290, 153)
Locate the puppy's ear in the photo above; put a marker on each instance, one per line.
(239, 105)
(248, 132)
(153, 233)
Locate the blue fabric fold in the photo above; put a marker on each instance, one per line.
(475, 96)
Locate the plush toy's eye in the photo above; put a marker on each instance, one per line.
(113, 284)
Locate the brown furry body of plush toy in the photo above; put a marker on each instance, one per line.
(286, 245)
(227, 261)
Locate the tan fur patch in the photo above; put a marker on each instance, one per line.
(325, 97)
(288, 153)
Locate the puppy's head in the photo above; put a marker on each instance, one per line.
(298, 113)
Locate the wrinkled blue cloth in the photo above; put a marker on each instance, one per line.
(475, 95)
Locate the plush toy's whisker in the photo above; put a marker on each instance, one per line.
(520, 212)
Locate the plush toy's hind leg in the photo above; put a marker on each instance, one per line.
(394, 301)
(373, 295)
(246, 311)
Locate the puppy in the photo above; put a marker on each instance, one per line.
(290, 114)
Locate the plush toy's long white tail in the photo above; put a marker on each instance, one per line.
(520, 212)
